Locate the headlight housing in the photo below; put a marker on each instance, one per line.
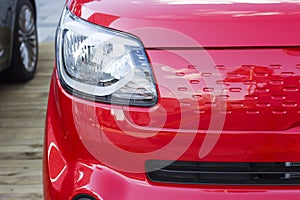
(101, 64)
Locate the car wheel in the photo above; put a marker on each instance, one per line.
(25, 44)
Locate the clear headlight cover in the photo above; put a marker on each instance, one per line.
(102, 64)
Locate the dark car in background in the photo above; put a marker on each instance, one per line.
(18, 40)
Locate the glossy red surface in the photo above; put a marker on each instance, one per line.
(222, 105)
(94, 164)
(209, 23)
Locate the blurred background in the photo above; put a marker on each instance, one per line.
(48, 16)
(22, 115)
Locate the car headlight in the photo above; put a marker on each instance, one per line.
(101, 64)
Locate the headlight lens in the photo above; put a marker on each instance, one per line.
(102, 64)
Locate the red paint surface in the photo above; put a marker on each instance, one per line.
(248, 99)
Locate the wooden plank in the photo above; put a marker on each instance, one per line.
(37, 155)
(13, 135)
(33, 164)
(21, 148)
(20, 189)
(22, 117)
(39, 112)
(20, 176)
(21, 131)
(22, 141)
(25, 122)
(25, 196)
(18, 102)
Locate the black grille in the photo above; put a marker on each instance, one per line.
(224, 173)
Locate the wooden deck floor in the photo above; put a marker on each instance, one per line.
(22, 116)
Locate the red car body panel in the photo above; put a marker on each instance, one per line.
(71, 163)
(231, 23)
(228, 91)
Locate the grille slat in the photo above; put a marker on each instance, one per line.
(233, 173)
(224, 172)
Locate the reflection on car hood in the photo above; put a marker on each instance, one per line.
(215, 23)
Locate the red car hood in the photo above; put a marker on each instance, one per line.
(233, 85)
(218, 23)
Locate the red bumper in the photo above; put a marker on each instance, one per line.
(105, 160)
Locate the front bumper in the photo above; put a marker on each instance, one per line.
(101, 160)
(103, 183)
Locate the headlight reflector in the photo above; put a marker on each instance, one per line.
(103, 64)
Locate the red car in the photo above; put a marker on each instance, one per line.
(174, 99)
